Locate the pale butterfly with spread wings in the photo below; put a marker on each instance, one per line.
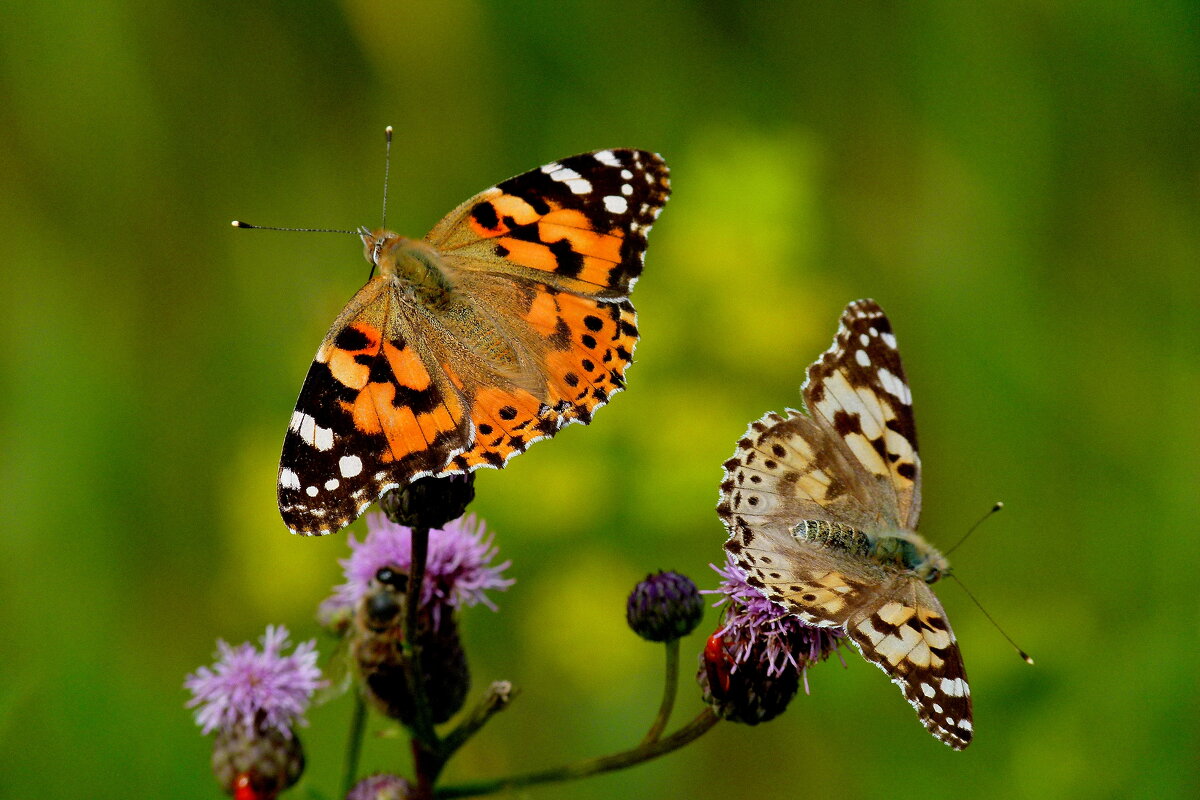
(822, 514)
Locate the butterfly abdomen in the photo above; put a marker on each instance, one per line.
(835, 535)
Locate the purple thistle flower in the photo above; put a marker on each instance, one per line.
(755, 623)
(256, 689)
(458, 569)
(381, 786)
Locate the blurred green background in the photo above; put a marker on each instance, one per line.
(1015, 182)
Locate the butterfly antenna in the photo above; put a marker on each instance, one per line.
(387, 168)
(971, 530)
(237, 223)
(1024, 656)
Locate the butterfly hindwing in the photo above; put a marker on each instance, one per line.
(586, 346)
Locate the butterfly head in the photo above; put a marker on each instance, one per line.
(909, 551)
(375, 242)
(411, 260)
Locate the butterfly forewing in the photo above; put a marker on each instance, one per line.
(373, 407)
(579, 223)
(858, 390)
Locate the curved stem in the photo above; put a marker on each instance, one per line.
(670, 684)
(498, 697)
(592, 766)
(358, 724)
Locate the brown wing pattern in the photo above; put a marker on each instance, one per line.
(857, 390)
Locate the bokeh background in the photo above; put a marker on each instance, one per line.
(1015, 182)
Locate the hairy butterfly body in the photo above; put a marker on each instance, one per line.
(506, 322)
(822, 513)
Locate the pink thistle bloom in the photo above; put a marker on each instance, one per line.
(256, 689)
(458, 570)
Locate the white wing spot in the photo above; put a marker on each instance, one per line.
(937, 708)
(893, 385)
(626, 189)
(626, 174)
(953, 686)
(296, 421)
(889, 340)
(350, 466)
(311, 491)
(552, 167)
(331, 484)
(928, 690)
(308, 426)
(322, 438)
(574, 181)
(874, 331)
(289, 479)
(608, 158)
(579, 186)
(862, 358)
(615, 204)
(864, 339)
(965, 724)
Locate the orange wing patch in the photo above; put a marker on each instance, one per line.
(583, 219)
(505, 424)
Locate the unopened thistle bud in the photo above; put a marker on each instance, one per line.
(429, 502)
(256, 762)
(664, 607)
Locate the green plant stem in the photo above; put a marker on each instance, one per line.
(426, 747)
(497, 698)
(592, 766)
(670, 687)
(358, 724)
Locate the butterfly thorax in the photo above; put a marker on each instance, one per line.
(414, 263)
(902, 550)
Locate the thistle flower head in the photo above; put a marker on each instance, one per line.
(458, 569)
(253, 689)
(752, 665)
(757, 627)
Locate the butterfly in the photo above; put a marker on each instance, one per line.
(506, 322)
(822, 514)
